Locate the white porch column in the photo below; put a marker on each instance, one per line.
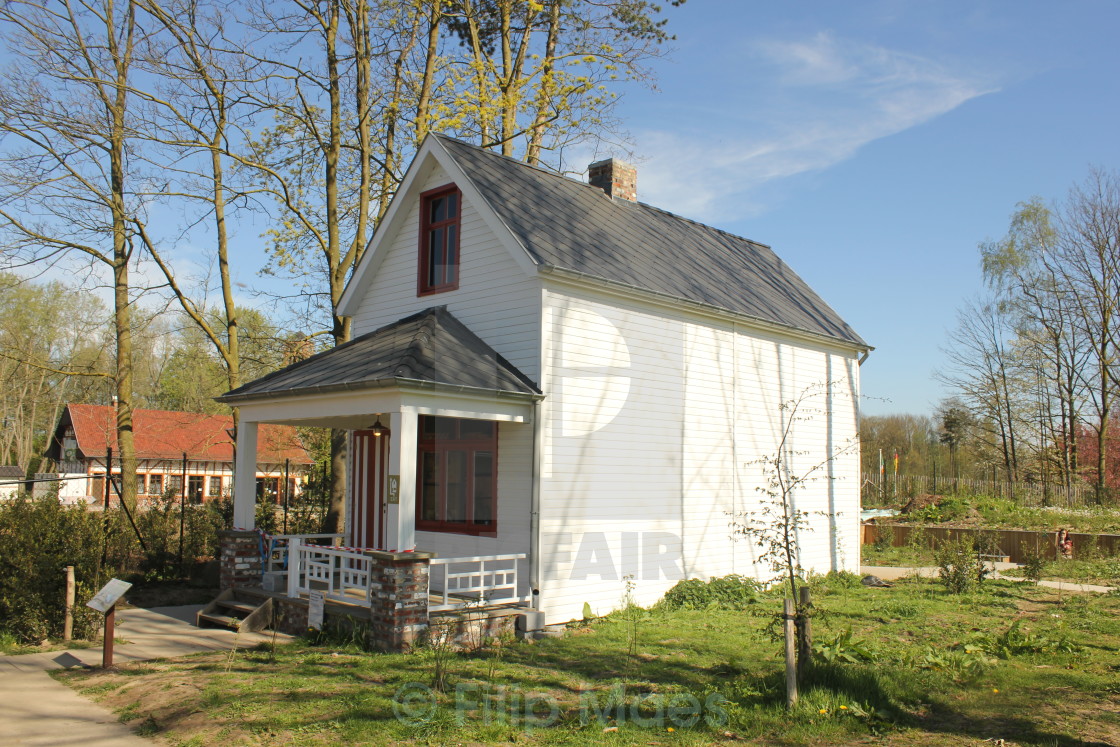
(400, 530)
(245, 476)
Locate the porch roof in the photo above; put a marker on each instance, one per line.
(431, 348)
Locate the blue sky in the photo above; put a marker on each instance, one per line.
(873, 145)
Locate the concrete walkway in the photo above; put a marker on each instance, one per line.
(892, 573)
(37, 710)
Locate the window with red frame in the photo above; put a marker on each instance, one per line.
(439, 240)
(457, 476)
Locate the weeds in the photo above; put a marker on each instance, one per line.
(632, 615)
(843, 647)
(727, 593)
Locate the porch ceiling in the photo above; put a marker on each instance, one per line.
(430, 351)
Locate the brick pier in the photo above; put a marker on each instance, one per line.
(240, 556)
(398, 599)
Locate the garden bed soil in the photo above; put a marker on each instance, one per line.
(169, 595)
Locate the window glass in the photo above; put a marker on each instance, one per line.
(438, 262)
(483, 487)
(457, 463)
(451, 262)
(155, 484)
(215, 487)
(476, 429)
(175, 484)
(456, 486)
(194, 487)
(442, 429)
(438, 210)
(429, 486)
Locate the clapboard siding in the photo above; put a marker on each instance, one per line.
(655, 425)
(495, 298)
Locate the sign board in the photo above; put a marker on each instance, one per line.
(104, 600)
(315, 610)
(394, 489)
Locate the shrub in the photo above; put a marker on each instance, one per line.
(959, 566)
(727, 593)
(883, 538)
(918, 541)
(1033, 563)
(38, 538)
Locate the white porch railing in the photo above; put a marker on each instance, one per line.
(341, 575)
(488, 579)
(277, 559)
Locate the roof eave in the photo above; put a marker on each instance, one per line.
(706, 308)
(387, 383)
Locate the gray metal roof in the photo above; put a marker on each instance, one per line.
(9, 471)
(571, 225)
(428, 348)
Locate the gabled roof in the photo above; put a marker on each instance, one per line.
(567, 224)
(428, 348)
(162, 434)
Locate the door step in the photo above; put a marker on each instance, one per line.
(227, 611)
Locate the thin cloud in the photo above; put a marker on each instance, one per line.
(808, 105)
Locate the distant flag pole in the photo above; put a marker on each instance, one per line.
(880, 474)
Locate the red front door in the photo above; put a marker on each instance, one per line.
(369, 464)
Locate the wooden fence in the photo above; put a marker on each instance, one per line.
(1014, 543)
(878, 489)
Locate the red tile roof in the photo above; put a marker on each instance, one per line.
(161, 434)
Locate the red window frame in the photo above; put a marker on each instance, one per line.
(446, 233)
(431, 441)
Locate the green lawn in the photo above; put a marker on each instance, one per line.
(1012, 662)
(1004, 513)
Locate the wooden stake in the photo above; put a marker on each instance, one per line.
(68, 622)
(805, 643)
(791, 657)
(110, 633)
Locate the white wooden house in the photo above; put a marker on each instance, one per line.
(549, 369)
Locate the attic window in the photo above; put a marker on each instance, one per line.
(439, 240)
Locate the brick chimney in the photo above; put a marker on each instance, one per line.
(616, 178)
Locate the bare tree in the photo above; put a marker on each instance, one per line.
(1022, 269)
(983, 367)
(67, 184)
(1088, 262)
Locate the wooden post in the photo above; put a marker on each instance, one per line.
(68, 622)
(791, 657)
(110, 633)
(287, 491)
(183, 515)
(805, 628)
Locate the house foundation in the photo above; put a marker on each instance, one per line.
(397, 615)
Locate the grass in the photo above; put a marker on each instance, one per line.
(1101, 571)
(11, 646)
(908, 664)
(1004, 513)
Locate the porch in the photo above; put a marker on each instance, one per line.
(435, 523)
(397, 595)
